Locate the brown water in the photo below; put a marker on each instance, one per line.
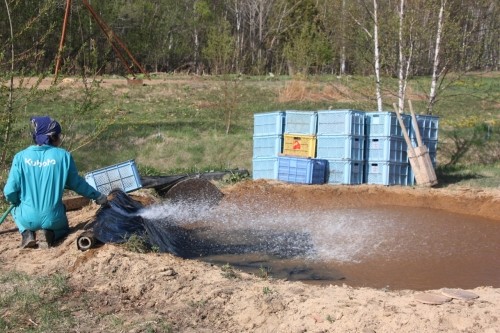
(388, 247)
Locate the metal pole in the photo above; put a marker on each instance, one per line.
(112, 37)
(63, 35)
(108, 33)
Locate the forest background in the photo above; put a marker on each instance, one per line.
(219, 62)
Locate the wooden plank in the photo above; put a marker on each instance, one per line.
(426, 167)
(415, 125)
(75, 203)
(419, 158)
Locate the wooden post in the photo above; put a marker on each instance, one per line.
(422, 152)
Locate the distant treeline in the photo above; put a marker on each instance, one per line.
(253, 37)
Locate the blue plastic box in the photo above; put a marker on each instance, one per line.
(341, 122)
(123, 176)
(267, 146)
(265, 168)
(386, 124)
(269, 123)
(340, 147)
(428, 126)
(301, 122)
(301, 170)
(386, 148)
(387, 173)
(345, 172)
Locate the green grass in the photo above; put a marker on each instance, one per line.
(180, 124)
(485, 176)
(33, 304)
(40, 304)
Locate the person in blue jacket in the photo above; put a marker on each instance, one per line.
(35, 186)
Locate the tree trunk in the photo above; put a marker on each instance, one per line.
(342, 51)
(435, 68)
(377, 57)
(401, 88)
(9, 108)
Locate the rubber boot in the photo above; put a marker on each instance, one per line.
(45, 238)
(28, 239)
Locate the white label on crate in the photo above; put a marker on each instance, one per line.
(375, 144)
(374, 168)
(376, 120)
(356, 144)
(355, 168)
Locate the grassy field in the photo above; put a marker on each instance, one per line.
(176, 124)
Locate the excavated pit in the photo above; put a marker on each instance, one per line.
(382, 238)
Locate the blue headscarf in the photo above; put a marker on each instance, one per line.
(43, 129)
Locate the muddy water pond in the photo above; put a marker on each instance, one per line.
(391, 247)
(383, 247)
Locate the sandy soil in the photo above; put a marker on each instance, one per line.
(194, 296)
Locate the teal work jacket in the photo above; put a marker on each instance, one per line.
(35, 186)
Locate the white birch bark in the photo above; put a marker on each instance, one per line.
(377, 57)
(435, 74)
(401, 86)
(342, 52)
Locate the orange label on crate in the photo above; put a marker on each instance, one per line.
(296, 145)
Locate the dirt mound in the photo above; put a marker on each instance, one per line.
(478, 202)
(111, 283)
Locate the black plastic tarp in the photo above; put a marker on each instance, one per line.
(120, 219)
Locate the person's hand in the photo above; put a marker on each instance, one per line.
(102, 200)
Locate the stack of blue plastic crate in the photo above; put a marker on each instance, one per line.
(346, 146)
(386, 149)
(298, 163)
(267, 144)
(341, 141)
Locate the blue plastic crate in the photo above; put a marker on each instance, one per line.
(386, 173)
(386, 148)
(345, 172)
(123, 176)
(301, 170)
(340, 147)
(386, 124)
(301, 122)
(268, 123)
(428, 126)
(341, 122)
(411, 177)
(267, 146)
(265, 168)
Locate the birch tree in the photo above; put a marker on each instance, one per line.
(436, 71)
(404, 57)
(376, 51)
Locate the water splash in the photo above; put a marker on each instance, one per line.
(340, 235)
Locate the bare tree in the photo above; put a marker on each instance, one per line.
(376, 51)
(435, 68)
(9, 108)
(343, 41)
(404, 61)
(376, 54)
